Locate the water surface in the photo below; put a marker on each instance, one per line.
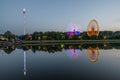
(59, 63)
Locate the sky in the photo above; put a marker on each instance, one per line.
(56, 15)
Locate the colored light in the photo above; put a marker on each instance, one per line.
(73, 53)
(73, 30)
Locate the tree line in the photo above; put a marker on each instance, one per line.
(52, 35)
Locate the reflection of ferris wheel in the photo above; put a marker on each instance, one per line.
(93, 28)
(93, 54)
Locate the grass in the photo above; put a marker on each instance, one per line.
(70, 41)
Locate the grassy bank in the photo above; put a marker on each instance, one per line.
(70, 41)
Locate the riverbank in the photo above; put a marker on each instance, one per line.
(42, 42)
(70, 41)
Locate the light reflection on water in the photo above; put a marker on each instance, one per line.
(72, 64)
(73, 53)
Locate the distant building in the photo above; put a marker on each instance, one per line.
(29, 37)
(44, 37)
(2, 38)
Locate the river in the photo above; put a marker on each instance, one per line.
(60, 62)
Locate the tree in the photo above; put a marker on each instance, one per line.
(37, 35)
(9, 35)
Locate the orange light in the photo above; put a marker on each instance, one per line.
(93, 52)
(91, 29)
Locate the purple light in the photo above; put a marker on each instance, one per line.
(73, 30)
(73, 53)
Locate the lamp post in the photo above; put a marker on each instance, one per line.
(24, 71)
(24, 12)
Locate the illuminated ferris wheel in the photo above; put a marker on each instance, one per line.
(93, 28)
(73, 29)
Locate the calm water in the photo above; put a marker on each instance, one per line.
(51, 63)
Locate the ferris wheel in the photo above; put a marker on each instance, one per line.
(73, 29)
(93, 28)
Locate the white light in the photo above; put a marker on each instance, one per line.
(24, 10)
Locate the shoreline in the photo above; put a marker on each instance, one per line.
(45, 42)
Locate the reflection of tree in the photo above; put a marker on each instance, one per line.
(25, 48)
(52, 48)
(58, 48)
(34, 49)
(8, 49)
(93, 54)
(115, 45)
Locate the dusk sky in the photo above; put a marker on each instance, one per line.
(55, 15)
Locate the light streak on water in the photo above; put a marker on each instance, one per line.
(25, 63)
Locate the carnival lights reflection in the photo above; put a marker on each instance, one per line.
(74, 53)
(93, 54)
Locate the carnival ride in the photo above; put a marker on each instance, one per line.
(93, 28)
